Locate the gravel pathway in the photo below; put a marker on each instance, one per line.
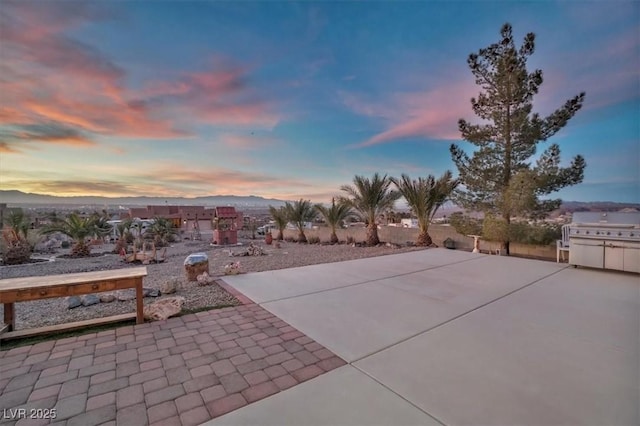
(55, 311)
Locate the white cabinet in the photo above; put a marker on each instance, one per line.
(614, 255)
(608, 254)
(586, 252)
(631, 257)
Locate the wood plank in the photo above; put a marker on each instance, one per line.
(78, 278)
(9, 315)
(19, 334)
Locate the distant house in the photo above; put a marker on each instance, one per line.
(409, 223)
(190, 220)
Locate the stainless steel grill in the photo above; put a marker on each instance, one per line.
(605, 240)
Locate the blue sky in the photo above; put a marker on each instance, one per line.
(291, 100)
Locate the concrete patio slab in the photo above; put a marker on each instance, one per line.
(359, 320)
(472, 284)
(344, 396)
(494, 366)
(268, 286)
(488, 340)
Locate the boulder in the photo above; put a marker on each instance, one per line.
(73, 302)
(169, 287)
(164, 308)
(90, 299)
(150, 292)
(107, 298)
(195, 264)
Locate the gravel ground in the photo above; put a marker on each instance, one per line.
(55, 311)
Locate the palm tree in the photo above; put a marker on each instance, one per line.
(280, 218)
(101, 224)
(425, 196)
(370, 198)
(16, 248)
(19, 223)
(300, 212)
(335, 215)
(78, 228)
(162, 231)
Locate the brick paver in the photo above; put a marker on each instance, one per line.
(181, 371)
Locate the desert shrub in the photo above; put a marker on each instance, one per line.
(465, 225)
(542, 233)
(495, 229)
(16, 248)
(313, 240)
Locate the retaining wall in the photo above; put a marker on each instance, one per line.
(438, 233)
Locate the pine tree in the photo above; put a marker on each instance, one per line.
(499, 178)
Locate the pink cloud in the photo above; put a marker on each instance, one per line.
(217, 97)
(431, 114)
(40, 63)
(6, 149)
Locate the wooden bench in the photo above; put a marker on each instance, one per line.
(34, 288)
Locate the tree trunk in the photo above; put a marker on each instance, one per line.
(301, 237)
(372, 235)
(280, 236)
(504, 247)
(80, 249)
(424, 239)
(334, 238)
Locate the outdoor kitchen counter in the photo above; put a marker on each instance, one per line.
(605, 241)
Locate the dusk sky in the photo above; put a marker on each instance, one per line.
(292, 99)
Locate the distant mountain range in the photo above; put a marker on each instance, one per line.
(17, 198)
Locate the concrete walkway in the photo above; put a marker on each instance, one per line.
(449, 337)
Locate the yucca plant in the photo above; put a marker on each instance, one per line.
(299, 213)
(425, 196)
(280, 218)
(335, 215)
(78, 229)
(370, 198)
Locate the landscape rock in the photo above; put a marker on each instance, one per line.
(232, 268)
(252, 250)
(169, 287)
(164, 308)
(124, 296)
(195, 264)
(107, 298)
(90, 299)
(73, 302)
(150, 292)
(203, 279)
